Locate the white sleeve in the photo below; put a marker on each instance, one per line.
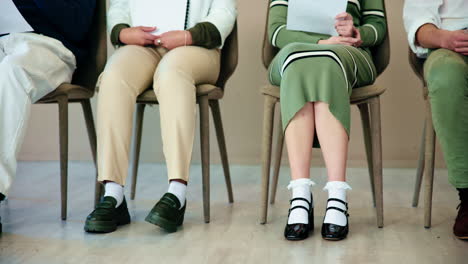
(222, 14)
(118, 13)
(417, 13)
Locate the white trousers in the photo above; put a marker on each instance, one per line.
(31, 66)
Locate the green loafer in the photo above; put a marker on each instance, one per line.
(105, 218)
(167, 213)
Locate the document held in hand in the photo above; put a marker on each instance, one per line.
(166, 15)
(317, 16)
(11, 20)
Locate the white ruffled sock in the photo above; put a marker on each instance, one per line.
(115, 191)
(300, 189)
(336, 190)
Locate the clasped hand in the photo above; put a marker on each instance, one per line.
(348, 34)
(142, 36)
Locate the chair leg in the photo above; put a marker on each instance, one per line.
(429, 166)
(366, 127)
(377, 157)
(205, 153)
(136, 146)
(63, 134)
(277, 165)
(88, 115)
(218, 123)
(420, 171)
(268, 120)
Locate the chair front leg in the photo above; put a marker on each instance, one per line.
(268, 121)
(376, 136)
(88, 115)
(277, 165)
(218, 123)
(429, 166)
(205, 153)
(420, 171)
(366, 128)
(136, 146)
(63, 134)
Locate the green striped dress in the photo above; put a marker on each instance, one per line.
(311, 72)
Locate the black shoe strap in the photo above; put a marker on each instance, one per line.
(338, 209)
(298, 207)
(338, 200)
(300, 199)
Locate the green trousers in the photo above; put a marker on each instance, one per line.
(446, 74)
(320, 73)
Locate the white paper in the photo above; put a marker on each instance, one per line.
(166, 15)
(11, 20)
(316, 16)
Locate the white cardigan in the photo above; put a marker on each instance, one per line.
(221, 13)
(444, 14)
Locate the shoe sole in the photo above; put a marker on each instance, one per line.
(102, 226)
(462, 237)
(333, 239)
(165, 224)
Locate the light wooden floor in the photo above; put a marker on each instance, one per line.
(34, 233)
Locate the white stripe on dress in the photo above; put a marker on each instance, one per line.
(278, 3)
(376, 13)
(311, 54)
(355, 66)
(356, 2)
(370, 67)
(375, 31)
(275, 35)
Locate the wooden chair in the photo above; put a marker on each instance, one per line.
(208, 96)
(81, 90)
(367, 99)
(427, 148)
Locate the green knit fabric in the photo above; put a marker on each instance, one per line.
(115, 34)
(311, 72)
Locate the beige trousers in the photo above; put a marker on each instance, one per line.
(174, 75)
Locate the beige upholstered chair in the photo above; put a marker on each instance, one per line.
(427, 148)
(208, 96)
(81, 90)
(367, 98)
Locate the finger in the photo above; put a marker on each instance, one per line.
(148, 42)
(462, 50)
(341, 16)
(461, 44)
(344, 23)
(149, 36)
(148, 29)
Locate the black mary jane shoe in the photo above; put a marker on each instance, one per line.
(295, 232)
(336, 232)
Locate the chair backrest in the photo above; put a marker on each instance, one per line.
(417, 64)
(87, 74)
(229, 58)
(380, 54)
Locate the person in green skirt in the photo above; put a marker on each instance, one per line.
(316, 74)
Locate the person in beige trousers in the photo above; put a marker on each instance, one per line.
(174, 63)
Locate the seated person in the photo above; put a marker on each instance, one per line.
(437, 31)
(34, 64)
(316, 74)
(174, 62)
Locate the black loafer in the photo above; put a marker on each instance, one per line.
(167, 213)
(295, 232)
(105, 218)
(336, 232)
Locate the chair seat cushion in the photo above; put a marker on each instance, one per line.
(213, 92)
(73, 92)
(359, 94)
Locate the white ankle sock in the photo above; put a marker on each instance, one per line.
(114, 190)
(178, 189)
(336, 190)
(300, 189)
